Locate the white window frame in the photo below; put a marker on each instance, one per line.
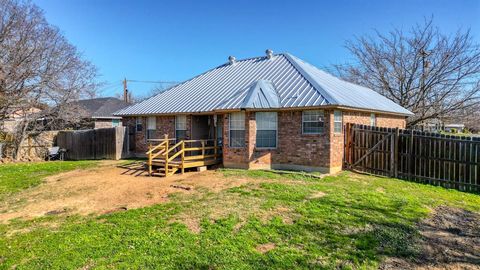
(337, 121)
(373, 120)
(180, 119)
(267, 129)
(151, 126)
(138, 122)
(322, 116)
(239, 127)
(151, 123)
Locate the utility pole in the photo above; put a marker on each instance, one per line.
(125, 91)
(425, 65)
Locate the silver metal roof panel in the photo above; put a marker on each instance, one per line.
(294, 82)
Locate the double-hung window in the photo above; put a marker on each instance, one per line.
(373, 120)
(266, 129)
(151, 127)
(181, 127)
(237, 129)
(138, 124)
(313, 122)
(337, 121)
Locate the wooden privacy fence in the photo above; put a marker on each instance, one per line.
(102, 143)
(449, 161)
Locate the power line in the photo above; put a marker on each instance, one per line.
(142, 81)
(109, 86)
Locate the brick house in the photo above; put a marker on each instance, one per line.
(98, 112)
(275, 111)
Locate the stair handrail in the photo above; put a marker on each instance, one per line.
(161, 152)
(156, 147)
(175, 146)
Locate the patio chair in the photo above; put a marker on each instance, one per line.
(55, 153)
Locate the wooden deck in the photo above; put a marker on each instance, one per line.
(167, 156)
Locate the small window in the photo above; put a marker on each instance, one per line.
(180, 127)
(151, 127)
(373, 120)
(266, 129)
(337, 121)
(219, 128)
(312, 122)
(115, 122)
(138, 124)
(237, 129)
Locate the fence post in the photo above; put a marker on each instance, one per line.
(392, 151)
(411, 159)
(166, 155)
(346, 154)
(183, 157)
(395, 154)
(150, 160)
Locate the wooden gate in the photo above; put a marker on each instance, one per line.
(449, 161)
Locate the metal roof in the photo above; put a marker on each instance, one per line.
(261, 95)
(282, 81)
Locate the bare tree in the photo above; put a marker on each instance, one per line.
(157, 89)
(38, 68)
(432, 74)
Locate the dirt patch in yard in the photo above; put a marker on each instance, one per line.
(106, 189)
(264, 248)
(450, 240)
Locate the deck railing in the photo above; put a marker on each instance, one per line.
(171, 155)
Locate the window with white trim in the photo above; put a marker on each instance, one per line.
(138, 124)
(313, 122)
(337, 121)
(151, 127)
(266, 129)
(180, 127)
(237, 129)
(373, 120)
(115, 122)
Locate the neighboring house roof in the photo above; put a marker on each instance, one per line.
(283, 81)
(100, 107)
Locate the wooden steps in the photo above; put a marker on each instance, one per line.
(166, 158)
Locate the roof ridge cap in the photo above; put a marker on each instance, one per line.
(320, 89)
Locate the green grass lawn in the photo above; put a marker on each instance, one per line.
(15, 177)
(348, 221)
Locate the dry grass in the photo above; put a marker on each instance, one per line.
(105, 189)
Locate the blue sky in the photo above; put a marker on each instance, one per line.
(176, 40)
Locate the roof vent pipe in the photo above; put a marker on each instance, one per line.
(231, 59)
(269, 53)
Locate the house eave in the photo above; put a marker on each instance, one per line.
(330, 106)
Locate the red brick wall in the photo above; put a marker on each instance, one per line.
(295, 149)
(105, 123)
(102, 123)
(383, 120)
(235, 157)
(164, 125)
